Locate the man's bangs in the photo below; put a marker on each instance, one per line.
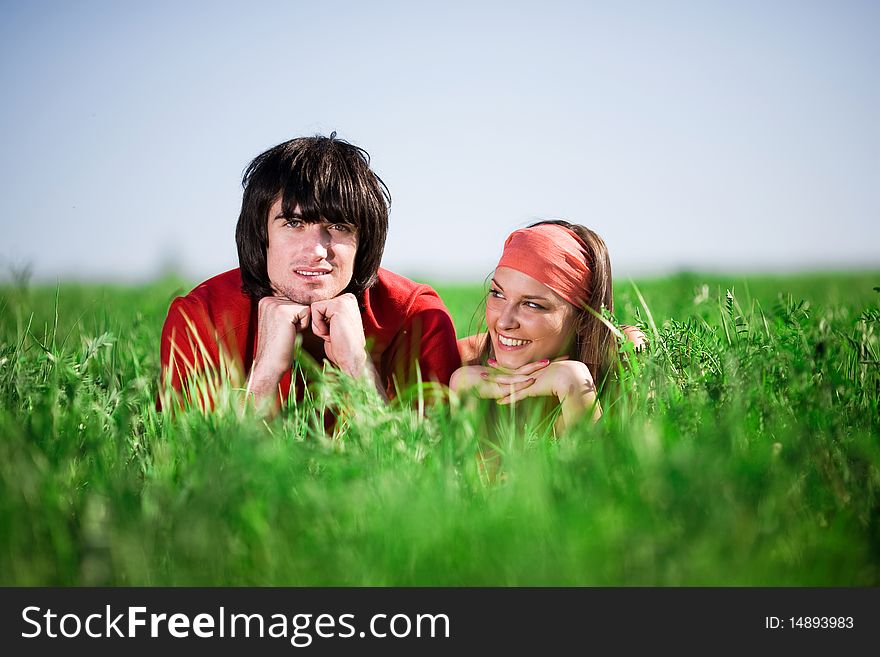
(299, 199)
(332, 206)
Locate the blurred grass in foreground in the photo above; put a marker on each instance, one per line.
(748, 453)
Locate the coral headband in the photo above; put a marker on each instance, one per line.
(552, 255)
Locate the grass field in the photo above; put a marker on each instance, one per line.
(746, 453)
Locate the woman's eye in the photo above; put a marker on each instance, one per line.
(536, 306)
(495, 294)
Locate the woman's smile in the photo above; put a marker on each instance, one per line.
(511, 343)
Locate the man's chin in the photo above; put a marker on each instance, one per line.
(308, 297)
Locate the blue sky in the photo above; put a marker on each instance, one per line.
(703, 135)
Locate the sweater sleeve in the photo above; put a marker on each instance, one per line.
(427, 339)
(189, 355)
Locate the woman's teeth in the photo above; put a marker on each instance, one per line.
(510, 342)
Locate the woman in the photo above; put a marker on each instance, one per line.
(545, 333)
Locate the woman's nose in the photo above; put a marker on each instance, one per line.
(508, 318)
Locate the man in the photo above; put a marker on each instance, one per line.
(310, 238)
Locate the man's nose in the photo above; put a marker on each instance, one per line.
(319, 242)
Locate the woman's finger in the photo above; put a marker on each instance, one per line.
(515, 396)
(531, 368)
(528, 368)
(504, 378)
(493, 365)
(496, 390)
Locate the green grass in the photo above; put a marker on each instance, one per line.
(746, 453)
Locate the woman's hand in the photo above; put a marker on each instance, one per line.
(570, 381)
(560, 379)
(494, 382)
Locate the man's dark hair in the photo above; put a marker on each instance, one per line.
(329, 179)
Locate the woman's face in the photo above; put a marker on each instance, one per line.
(527, 321)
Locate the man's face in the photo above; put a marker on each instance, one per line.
(308, 262)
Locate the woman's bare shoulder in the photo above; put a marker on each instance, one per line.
(469, 348)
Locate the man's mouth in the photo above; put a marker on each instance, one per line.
(512, 342)
(312, 273)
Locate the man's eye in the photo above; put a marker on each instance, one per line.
(342, 228)
(293, 223)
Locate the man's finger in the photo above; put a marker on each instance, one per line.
(301, 320)
(320, 323)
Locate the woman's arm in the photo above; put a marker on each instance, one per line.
(488, 384)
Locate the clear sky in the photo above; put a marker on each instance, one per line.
(731, 135)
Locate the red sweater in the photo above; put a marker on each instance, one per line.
(404, 323)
